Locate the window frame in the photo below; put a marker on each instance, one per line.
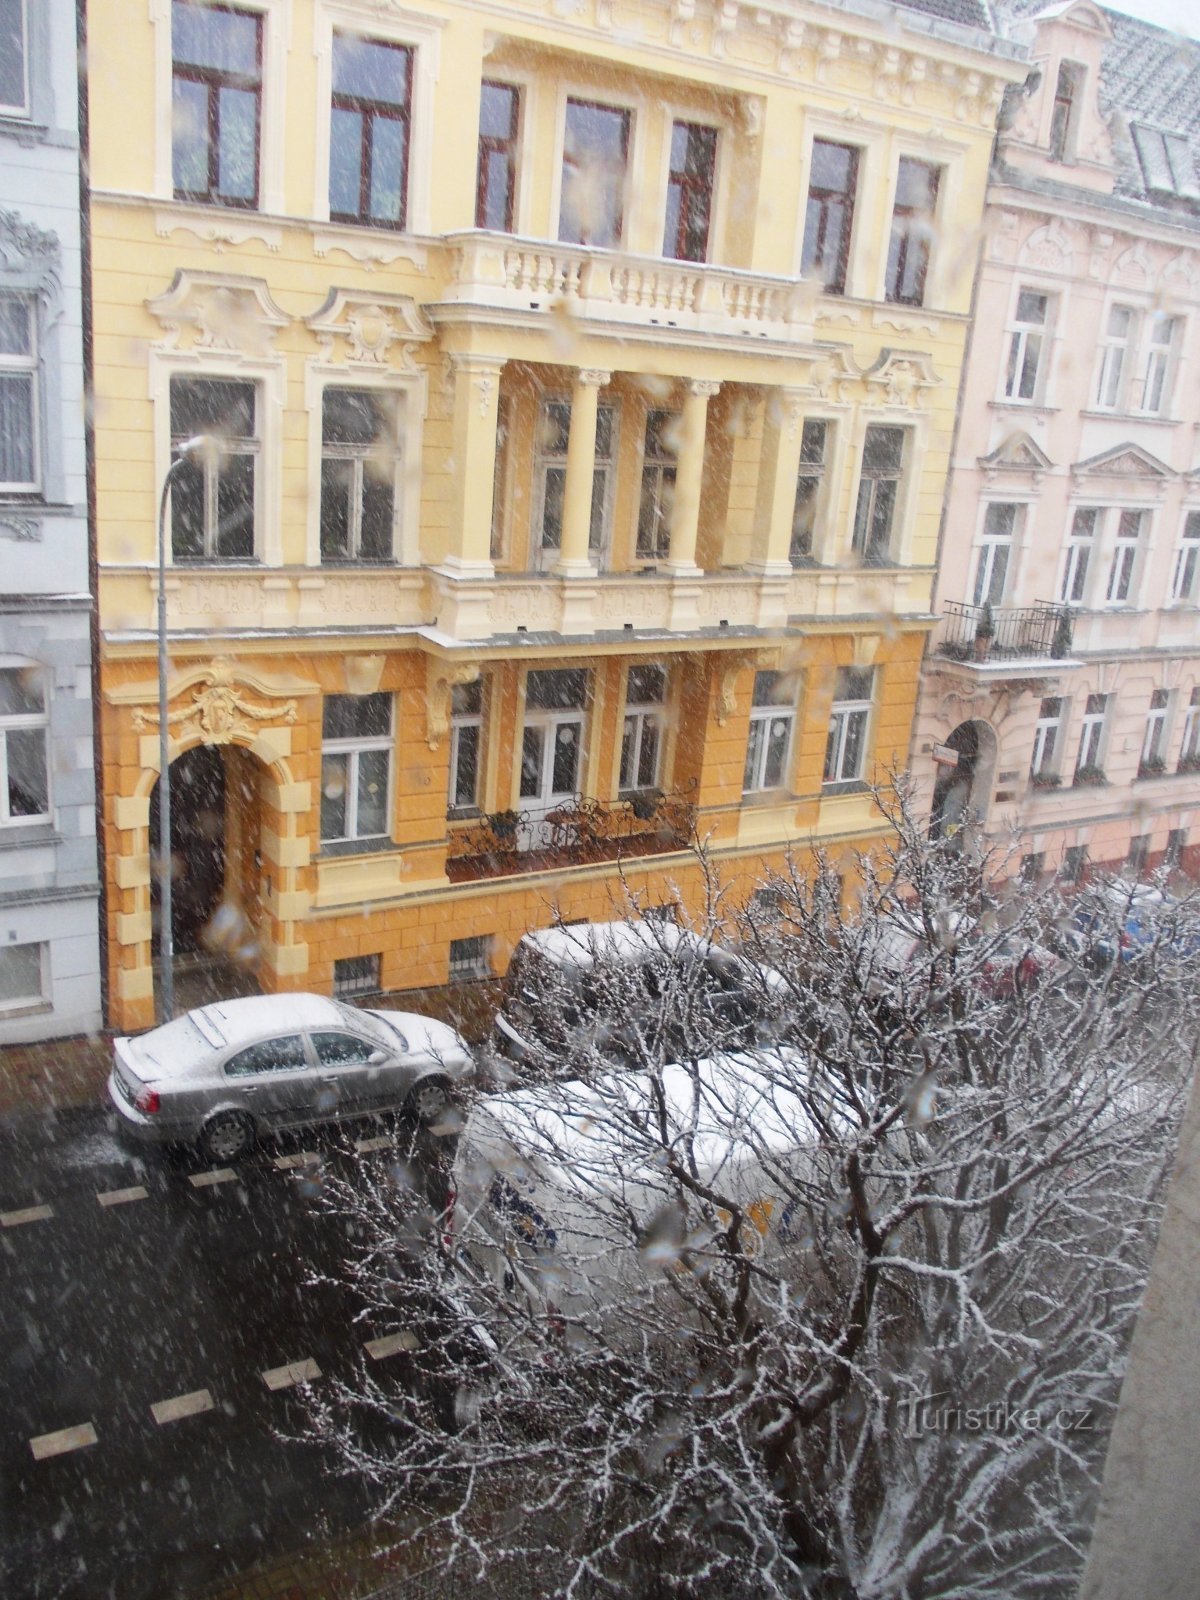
(371, 111)
(816, 473)
(864, 513)
(658, 471)
(1157, 362)
(491, 143)
(603, 472)
(472, 968)
(1186, 568)
(1079, 556)
(1189, 748)
(346, 986)
(759, 761)
(586, 96)
(1021, 333)
(460, 721)
(1047, 738)
(846, 712)
(27, 365)
(643, 713)
(1156, 735)
(24, 110)
(209, 467)
(905, 229)
(988, 543)
(699, 123)
(215, 79)
(821, 198)
(1092, 734)
(359, 455)
(1116, 350)
(26, 722)
(353, 747)
(1068, 83)
(1122, 583)
(43, 1000)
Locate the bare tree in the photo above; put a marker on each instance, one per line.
(823, 1295)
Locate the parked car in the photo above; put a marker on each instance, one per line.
(902, 954)
(595, 984)
(224, 1074)
(1115, 920)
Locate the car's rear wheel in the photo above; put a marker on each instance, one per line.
(429, 1099)
(226, 1136)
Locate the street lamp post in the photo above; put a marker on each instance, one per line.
(184, 455)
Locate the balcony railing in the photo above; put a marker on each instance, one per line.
(1005, 633)
(580, 831)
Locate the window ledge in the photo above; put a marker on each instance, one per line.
(1131, 416)
(766, 797)
(14, 836)
(464, 814)
(1029, 407)
(354, 847)
(844, 786)
(23, 128)
(25, 1008)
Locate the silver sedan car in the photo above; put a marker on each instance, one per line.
(225, 1073)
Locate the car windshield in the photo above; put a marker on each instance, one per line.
(383, 1033)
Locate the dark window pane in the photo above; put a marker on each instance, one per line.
(883, 449)
(647, 686)
(351, 416)
(28, 792)
(388, 142)
(566, 758)
(187, 513)
(16, 428)
(372, 792)
(378, 503)
(12, 56)
(369, 69)
(237, 174)
(273, 1055)
(497, 110)
(832, 166)
(604, 431)
(916, 185)
(495, 211)
(466, 771)
(334, 770)
(778, 729)
(206, 37)
(16, 332)
(556, 427)
(356, 716)
(594, 154)
(552, 508)
(648, 762)
(212, 405)
(854, 683)
(189, 136)
(345, 162)
(466, 699)
(235, 508)
(341, 1050)
(22, 693)
(557, 689)
(531, 762)
(881, 520)
(812, 443)
(336, 480)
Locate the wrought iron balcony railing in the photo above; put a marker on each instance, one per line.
(1005, 633)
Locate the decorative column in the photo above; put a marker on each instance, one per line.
(573, 557)
(476, 397)
(689, 470)
(775, 499)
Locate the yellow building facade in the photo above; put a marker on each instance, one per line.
(576, 386)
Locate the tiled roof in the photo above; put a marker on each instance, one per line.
(970, 13)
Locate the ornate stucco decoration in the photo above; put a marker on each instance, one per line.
(223, 230)
(26, 530)
(24, 247)
(728, 669)
(224, 312)
(1018, 454)
(835, 375)
(1133, 266)
(902, 375)
(218, 712)
(441, 679)
(1126, 461)
(374, 329)
(1049, 247)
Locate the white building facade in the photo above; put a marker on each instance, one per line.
(49, 889)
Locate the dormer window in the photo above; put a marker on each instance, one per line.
(1166, 161)
(1067, 94)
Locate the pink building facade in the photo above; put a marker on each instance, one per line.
(1060, 698)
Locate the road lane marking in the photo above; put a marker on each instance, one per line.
(122, 1197)
(306, 1158)
(15, 1219)
(365, 1146)
(182, 1405)
(60, 1443)
(377, 1349)
(205, 1180)
(295, 1372)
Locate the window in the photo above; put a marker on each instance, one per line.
(1079, 555)
(642, 736)
(1154, 741)
(23, 975)
(552, 473)
(690, 191)
(18, 395)
(595, 155)
(216, 103)
(878, 493)
(1045, 739)
(1114, 351)
(552, 738)
(356, 762)
(814, 440)
(1124, 561)
(24, 777)
(466, 736)
(213, 497)
(14, 88)
(1091, 740)
(1025, 346)
(1176, 845)
(846, 745)
(1189, 751)
(272, 1055)
(496, 177)
(1062, 117)
(1032, 867)
(341, 1050)
(1158, 359)
(1138, 859)
(497, 545)
(1166, 162)
(1074, 863)
(912, 231)
(658, 484)
(369, 131)
(772, 716)
(356, 975)
(1187, 560)
(359, 455)
(999, 524)
(829, 216)
(470, 958)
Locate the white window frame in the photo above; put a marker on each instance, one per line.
(1121, 587)
(898, 527)
(1156, 364)
(1079, 559)
(42, 999)
(1047, 736)
(602, 466)
(1154, 740)
(24, 723)
(27, 365)
(758, 744)
(209, 466)
(989, 545)
(24, 109)
(459, 720)
(1021, 333)
(353, 747)
(1189, 749)
(842, 715)
(1092, 736)
(358, 456)
(1187, 561)
(1116, 353)
(635, 105)
(641, 713)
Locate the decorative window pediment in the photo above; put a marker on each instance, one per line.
(1124, 461)
(226, 314)
(1018, 453)
(29, 256)
(368, 327)
(903, 375)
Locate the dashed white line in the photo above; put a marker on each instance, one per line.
(182, 1405)
(122, 1197)
(295, 1372)
(205, 1180)
(45, 1445)
(16, 1219)
(365, 1146)
(377, 1349)
(306, 1158)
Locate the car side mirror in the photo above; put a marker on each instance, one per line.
(376, 1058)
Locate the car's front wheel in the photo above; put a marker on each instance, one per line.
(226, 1136)
(429, 1099)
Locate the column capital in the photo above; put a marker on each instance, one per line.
(702, 388)
(473, 361)
(592, 377)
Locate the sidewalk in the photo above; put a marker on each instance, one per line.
(55, 1074)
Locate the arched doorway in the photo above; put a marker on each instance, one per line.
(215, 881)
(963, 785)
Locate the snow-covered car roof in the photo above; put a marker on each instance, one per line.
(583, 944)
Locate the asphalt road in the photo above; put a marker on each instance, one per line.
(126, 1283)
